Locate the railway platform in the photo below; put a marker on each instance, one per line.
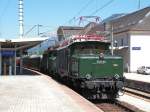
(140, 104)
(137, 77)
(40, 93)
(141, 83)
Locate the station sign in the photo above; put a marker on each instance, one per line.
(136, 48)
(7, 53)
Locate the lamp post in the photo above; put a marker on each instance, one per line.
(139, 4)
(112, 40)
(110, 29)
(38, 28)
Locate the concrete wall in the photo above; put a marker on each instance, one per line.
(123, 39)
(140, 53)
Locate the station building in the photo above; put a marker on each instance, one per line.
(131, 37)
(10, 49)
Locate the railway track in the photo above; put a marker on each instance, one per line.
(117, 106)
(138, 94)
(112, 106)
(138, 85)
(138, 89)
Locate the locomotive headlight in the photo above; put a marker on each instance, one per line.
(88, 76)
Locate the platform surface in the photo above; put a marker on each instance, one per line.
(138, 77)
(39, 93)
(139, 103)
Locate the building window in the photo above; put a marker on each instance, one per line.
(122, 42)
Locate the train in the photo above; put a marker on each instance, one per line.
(86, 63)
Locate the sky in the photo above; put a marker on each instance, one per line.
(54, 13)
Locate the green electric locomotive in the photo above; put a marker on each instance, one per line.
(86, 62)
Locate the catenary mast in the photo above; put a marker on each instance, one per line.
(21, 25)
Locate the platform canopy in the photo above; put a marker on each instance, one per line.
(9, 48)
(20, 43)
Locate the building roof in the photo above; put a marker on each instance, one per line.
(18, 43)
(97, 29)
(135, 21)
(114, 16)
(71, 27)
(138, 20)
(88, 28)
(66, 31)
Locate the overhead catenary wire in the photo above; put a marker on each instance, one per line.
(32, 29)
(78, 13)
(81, 10)
(102, 7)
(84, 7)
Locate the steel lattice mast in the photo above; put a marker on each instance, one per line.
(21, 24)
